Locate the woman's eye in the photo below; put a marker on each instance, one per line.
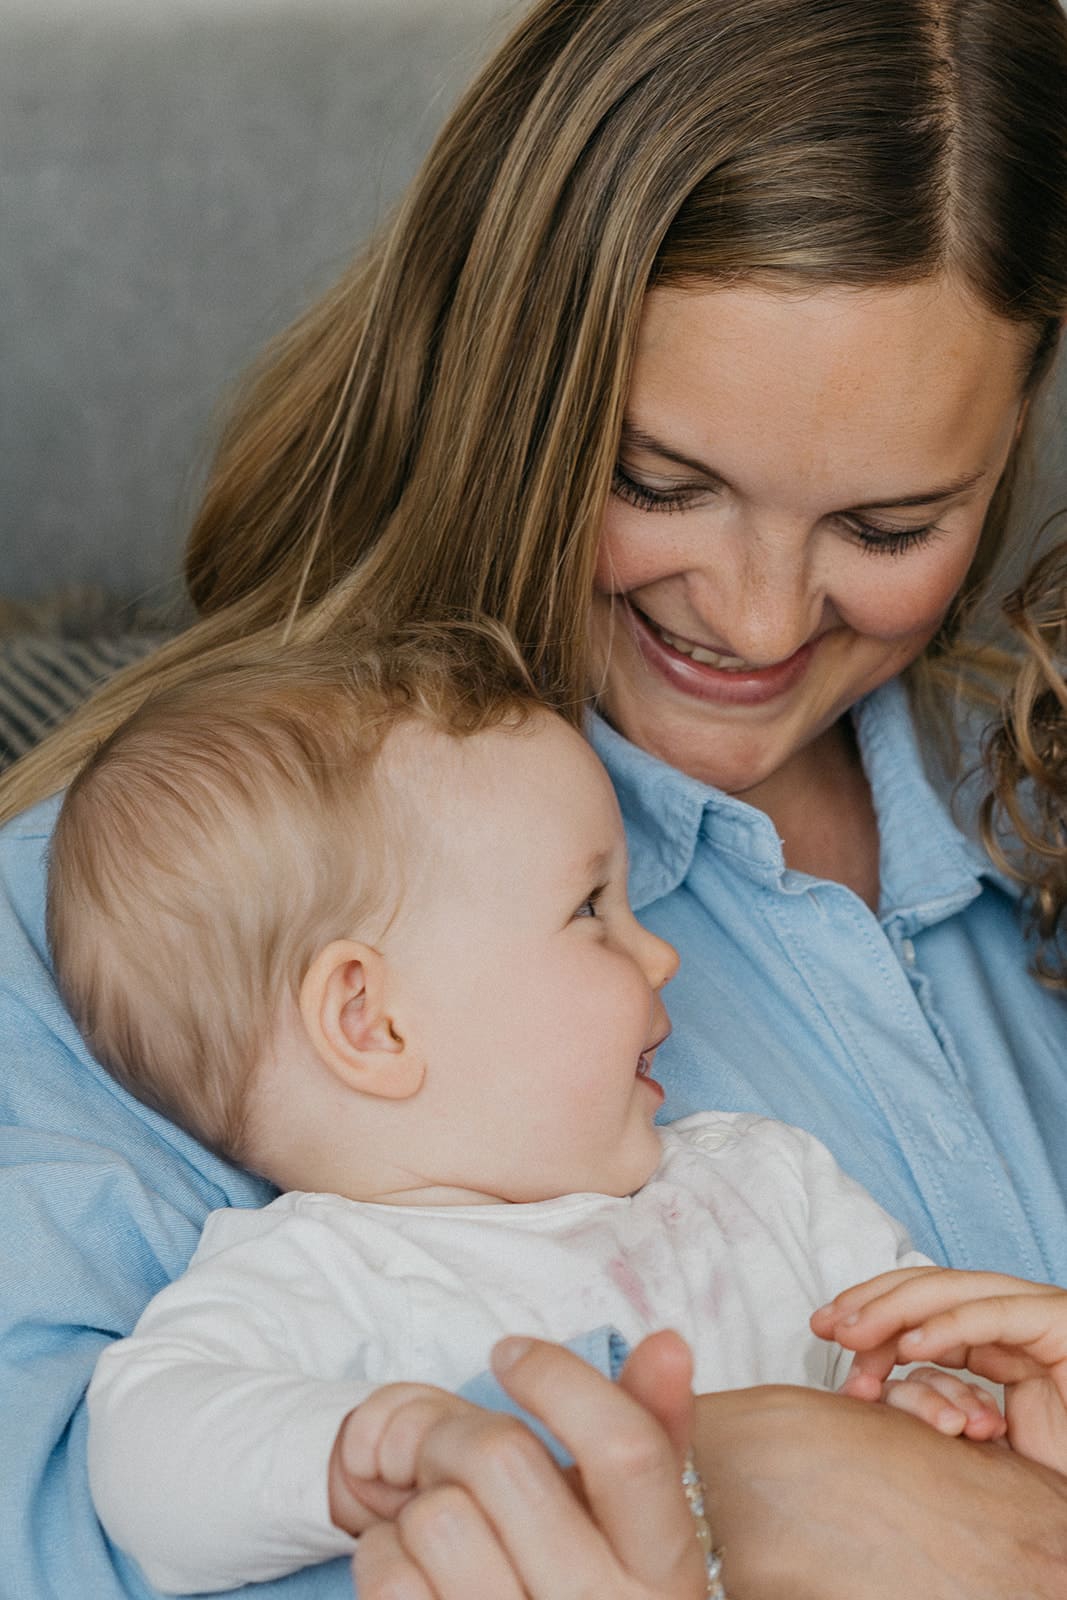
(886, 541)
(646, 499)
(876, 538)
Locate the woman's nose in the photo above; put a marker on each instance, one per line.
(767, 604)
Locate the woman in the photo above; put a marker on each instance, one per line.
(725, 317)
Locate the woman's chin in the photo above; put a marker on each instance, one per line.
(720, 749)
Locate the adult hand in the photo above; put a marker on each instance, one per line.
(495, 1517)
(814, 1496)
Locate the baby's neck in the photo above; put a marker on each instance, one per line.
(431, 1195)
(325, 1171)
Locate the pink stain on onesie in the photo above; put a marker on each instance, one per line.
(628, 1282)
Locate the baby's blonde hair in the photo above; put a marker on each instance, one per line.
(228, 830)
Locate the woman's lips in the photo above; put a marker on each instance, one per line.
(701, 674)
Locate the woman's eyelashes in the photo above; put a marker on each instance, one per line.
(870, 536)
(889, 541)
(646, 499)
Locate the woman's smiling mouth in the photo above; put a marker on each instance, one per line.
(706, 674)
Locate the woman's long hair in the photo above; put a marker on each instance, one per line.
(437, 436)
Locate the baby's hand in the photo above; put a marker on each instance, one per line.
(942, 1399)
(372, 1464)
(1004, 1329)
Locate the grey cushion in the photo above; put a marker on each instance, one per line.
(179, 177)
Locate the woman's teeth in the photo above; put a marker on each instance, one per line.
(696, 652)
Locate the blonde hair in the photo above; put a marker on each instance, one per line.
(227, 831)
(1024, 817)
(438, 435)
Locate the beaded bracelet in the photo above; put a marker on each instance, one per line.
(693, 1486)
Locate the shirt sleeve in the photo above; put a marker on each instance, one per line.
(211, 1427)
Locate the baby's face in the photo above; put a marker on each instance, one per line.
(520, 973)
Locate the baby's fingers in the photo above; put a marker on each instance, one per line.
(371, 1470)
(947, 1403)
(378, 1438)
(869, 1371)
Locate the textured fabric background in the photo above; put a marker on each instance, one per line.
(42, 679)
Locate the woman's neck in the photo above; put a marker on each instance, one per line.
(822, 807)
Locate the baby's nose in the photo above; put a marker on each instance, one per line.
(661, 962)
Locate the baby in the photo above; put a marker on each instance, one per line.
(357, 918)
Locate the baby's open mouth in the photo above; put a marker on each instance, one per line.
(644, 1071)
(644, 1060)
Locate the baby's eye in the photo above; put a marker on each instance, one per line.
(588, 907)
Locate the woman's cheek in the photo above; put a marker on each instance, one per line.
(638, 548)
(907, 604)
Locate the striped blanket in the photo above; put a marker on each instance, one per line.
(44, 677)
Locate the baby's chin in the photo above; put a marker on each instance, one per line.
(643, 1166)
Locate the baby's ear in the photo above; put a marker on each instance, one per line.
(345, 1016)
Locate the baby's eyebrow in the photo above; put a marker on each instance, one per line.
(597, 864)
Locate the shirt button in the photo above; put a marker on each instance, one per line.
(907, 952)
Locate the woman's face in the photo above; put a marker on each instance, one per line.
(801, 486)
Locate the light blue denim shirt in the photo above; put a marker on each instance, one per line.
(913, 1042)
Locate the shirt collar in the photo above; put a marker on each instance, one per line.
(666, 811)
(661, 808)
(929, 868)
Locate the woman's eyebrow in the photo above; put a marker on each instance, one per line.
(927, 497)
(640, 439)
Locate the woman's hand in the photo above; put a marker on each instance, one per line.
(494, 1515)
